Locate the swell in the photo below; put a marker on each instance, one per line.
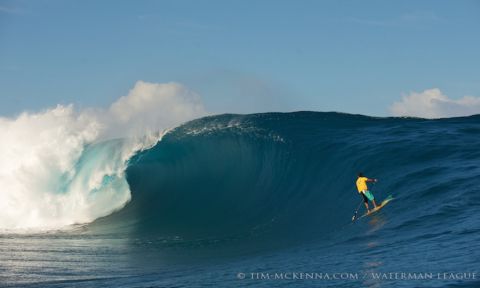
(292, 174)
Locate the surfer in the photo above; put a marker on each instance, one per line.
(363, 190)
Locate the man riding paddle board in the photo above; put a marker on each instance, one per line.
(363, 190)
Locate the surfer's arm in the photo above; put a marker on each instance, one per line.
(371, 180)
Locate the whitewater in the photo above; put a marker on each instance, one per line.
(64, 166)
(262, 200)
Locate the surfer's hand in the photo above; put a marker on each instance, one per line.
(375, 180)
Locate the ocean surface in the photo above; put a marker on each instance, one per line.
(263, 200)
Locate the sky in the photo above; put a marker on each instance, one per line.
(379, 58)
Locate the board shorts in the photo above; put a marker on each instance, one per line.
(367, 195)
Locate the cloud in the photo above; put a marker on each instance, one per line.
(432, 103)
(9, 10)
(246, 92)
(410, 18)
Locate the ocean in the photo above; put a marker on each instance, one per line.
(259, 200)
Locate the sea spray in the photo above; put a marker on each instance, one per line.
(64, 166)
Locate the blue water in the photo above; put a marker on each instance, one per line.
(243, 200)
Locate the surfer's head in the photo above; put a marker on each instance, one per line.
(360, 174)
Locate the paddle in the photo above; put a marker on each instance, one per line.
(356, 211)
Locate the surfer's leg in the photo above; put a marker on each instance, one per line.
(365, 200)
(369, 196)
(366, 206)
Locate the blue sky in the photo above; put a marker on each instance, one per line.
(239, 56)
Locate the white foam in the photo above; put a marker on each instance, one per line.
(58, 166)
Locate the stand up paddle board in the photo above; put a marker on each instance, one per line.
(384, 202)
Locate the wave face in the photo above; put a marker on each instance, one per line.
(293, 174)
